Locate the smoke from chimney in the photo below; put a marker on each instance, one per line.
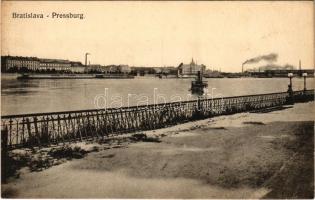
(269, 58)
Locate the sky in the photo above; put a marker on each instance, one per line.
(220, 35)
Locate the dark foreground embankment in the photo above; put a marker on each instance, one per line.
(295, 179)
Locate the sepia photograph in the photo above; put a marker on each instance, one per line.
(157, 99)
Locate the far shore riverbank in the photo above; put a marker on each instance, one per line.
(246, 155)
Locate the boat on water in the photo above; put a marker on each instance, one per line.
(197, 86)
(74, 76)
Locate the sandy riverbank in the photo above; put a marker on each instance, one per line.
(246, 155)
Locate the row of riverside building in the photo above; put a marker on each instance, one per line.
(19, 63)
(34, 64)
(11, 63)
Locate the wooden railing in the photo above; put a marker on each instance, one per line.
(42, 129)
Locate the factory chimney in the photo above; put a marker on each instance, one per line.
(86, 54)
(300, 68)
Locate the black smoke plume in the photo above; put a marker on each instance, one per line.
(269, 58)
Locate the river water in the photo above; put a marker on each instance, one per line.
(50, 95)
